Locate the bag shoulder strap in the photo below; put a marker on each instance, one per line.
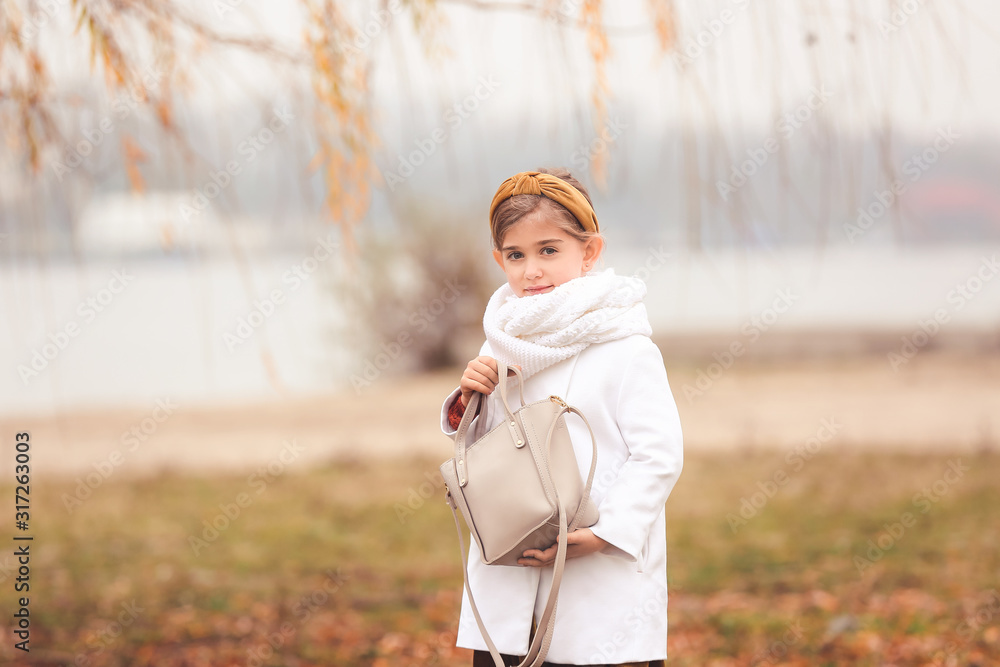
(543, 637)
(539, 647)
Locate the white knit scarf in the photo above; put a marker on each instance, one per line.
(539, 330)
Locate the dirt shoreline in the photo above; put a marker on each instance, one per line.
(939, 401)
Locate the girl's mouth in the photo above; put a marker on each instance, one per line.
(536, 290)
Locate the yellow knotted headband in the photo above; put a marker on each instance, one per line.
(556, 189)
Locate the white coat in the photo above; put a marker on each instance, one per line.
(613, 603)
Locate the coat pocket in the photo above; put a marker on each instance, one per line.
(640, 562)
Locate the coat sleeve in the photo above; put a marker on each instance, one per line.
(473, 425)
(481, 418)
(648, 420)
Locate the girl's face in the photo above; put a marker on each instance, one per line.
(537, 255)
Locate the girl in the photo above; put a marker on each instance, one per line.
(583, 335)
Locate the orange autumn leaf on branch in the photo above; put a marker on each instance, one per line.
(597, 42)
(664, 22)
(133, 156)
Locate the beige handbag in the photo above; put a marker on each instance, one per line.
(515, 487)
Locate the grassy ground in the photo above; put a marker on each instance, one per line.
(351, 565)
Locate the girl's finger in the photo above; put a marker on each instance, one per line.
(487, 381)
(480, 382)
(490, 372)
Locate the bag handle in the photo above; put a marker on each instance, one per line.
(470, 410)
(463, 426)
(502, 372)
(585, 499)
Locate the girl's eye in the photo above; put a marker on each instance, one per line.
(511, 255)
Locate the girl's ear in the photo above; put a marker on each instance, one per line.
(593, 249)
(498, 256)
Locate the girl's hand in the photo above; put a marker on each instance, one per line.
(578, 543)
(480, 375)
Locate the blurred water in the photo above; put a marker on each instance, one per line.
(156, 328)
(838, 287)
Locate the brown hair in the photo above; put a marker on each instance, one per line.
(511, 210)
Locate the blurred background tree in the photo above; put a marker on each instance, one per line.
(127, 40)
(720, 73)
